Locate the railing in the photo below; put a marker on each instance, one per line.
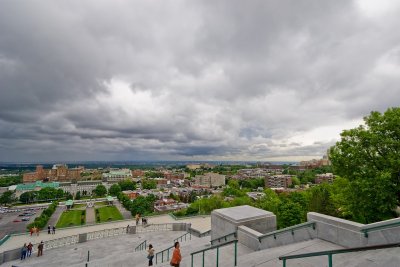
(106, 233)
(234, 234)
(329, 253)
(141, 246)
(154, 227)
(288, 229)
(165, 251)
(217, 248)
(183, 236)
(61, 242)
(378, 227)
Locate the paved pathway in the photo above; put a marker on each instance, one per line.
(90, 216)
(56, 215)
(201, 224)
(125, 213)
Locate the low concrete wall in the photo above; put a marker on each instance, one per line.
(339, 231)
(10, 255)
(257, 241)
(381, 236)
(349, 234)
(285, 238)
(249, 237)
(180, 227)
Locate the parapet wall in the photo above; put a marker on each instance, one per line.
(339, 231)
(351, 234)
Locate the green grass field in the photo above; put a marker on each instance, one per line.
(71, 218)
(107, 214)
(78, 206)
(102, 203)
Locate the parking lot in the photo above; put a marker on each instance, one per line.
(7, 224)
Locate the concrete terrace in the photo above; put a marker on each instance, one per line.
(201, 224)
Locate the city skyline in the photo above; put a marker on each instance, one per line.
(193, 81)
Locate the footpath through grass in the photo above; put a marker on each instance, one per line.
(107, 214)
(71, 218)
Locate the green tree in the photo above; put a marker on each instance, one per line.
(100, 190)
(7, 197)
(369, 156)
(149, 184)
(127, 185)
(320, 200)
(28, 197)
(114, 190)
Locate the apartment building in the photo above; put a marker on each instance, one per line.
(278, 181)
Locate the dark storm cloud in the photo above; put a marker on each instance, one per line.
(101, 80)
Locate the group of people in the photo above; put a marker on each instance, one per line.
(138, 216)
(51, 230)
(26, 250)
(176, 255)
(34, 230)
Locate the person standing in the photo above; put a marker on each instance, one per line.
(176, 256)
(24, 250)
(137, 218)
(150, 256)
(127, 229)
(30, 246)
(54, 229)
(48, 229)
(40, 249)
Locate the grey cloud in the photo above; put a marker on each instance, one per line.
(220, 80)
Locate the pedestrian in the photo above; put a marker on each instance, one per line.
(176, 256)
(30, 246)
(137, 216)
(54, 229)
(24, 250)
(35, 230)
(48, 229)
(40, 249)
(127, 229)
(150, 256)
(31, 231)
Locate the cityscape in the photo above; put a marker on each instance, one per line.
(200, 133)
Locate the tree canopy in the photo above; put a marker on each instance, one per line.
(369, 156)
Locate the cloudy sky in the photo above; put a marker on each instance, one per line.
(191, 80)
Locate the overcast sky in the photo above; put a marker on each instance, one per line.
(191, 80)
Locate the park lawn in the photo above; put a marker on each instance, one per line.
(70, 218)
(107, 214)
(102, 203)
(78, 206)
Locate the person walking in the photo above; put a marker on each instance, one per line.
(31, 231)
(48, 229)
(176, 256)
(127, 229)
(54, 229)
(150, 256)
(24, 250)
(30, 246)
(40, 249)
